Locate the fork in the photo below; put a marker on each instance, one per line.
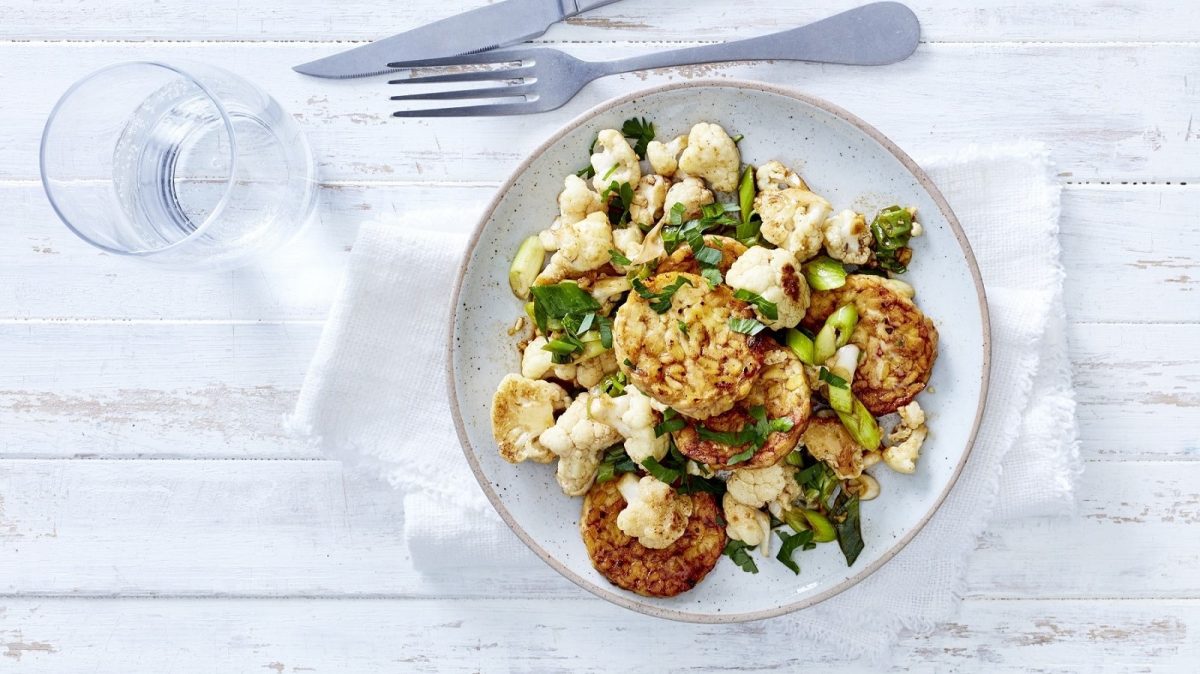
(537, 79)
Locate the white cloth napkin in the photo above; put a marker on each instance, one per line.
(374, 398)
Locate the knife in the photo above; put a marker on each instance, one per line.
(496, 25)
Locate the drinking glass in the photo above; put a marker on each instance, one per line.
(181, 163)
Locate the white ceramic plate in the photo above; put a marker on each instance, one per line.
(844, 160)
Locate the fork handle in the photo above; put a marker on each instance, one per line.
(871, 35)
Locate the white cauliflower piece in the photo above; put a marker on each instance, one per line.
(648, 198)
(712, 155)
(654, 514)
(664, 157)
(536, 362)
(793, 219)
(615, 161)
(593, 370)
(634, 416)
(628, 240)
(791, 492)
(748, 525)
(906, 439)
(690, 192)
(579, 442)
(522, 409)
(775, 176)
(582, 247)
(576, 201)
(776, 276)
(848, 238)
(756, 487)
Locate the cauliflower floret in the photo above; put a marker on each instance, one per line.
(712, 155)
(906, 439)
(579, 442)
(536, 361)
(748, 525)
(582, 246)
(593, 370)
(848, 238)
(756, 487)
(575, 202)
(690, 192)
(628, 240)
(664, 157)
(786, 498)
(774, 275)
(634, 416)
(829, 441)
(648, 198)
(522, 409)
(654, 514)
(615, 162)
(775, 176)
(793, 219)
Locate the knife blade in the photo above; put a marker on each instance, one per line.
(495, 25)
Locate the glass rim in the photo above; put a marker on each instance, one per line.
(225, 119)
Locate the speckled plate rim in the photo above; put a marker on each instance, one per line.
(609, 594)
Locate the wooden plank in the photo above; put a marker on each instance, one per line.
(212, 390)
(576, 635)
(1129, 251)
(285, 528)
(1146, 137)
(942, 20)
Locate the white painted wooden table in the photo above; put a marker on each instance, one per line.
(153, 517)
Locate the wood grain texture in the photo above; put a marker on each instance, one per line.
(1109, 112)
(678, 20)
(1129, 252)
(310, 635)
(300, 528)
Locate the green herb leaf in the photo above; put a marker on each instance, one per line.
(615, 462)
(660, 301)
(708, 256)
(618, 258)
(741, 456)
(559, 300)
(561, 347)
(801, 540)
(587, 172)
(739, 553)
(713, 276)
(682, 327)
(640, 131)
(752, 435)
(671, 422)
(849, 527)
(605, 325)
(737, 139)
(585, 323)
(746, 326)
(676, 214)
(765, 307)
(659, 471)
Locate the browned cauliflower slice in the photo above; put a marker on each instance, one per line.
(711, 154)
(848, 238)
(827, 440)
(700, 371)
(774, 275)
(522, 409)
(748, 525)
(775, 176)
(793, 219)
(906, 439)
(654, 514)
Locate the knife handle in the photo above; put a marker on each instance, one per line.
(582, 6)
(876, 34)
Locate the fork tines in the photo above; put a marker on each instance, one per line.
(513, 68)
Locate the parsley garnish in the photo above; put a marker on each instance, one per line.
(588, 171)
(660, 301)
(575, 310)
(618, 258)
(707, 256)
(641, 131)
(614, 384)
(753, 434)
(746, 326)
(765, 307)
(739, 553)
(661, 472)
(615, 462)
(802, 540)
(713, 276)
(849, 527)
(623, 200)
